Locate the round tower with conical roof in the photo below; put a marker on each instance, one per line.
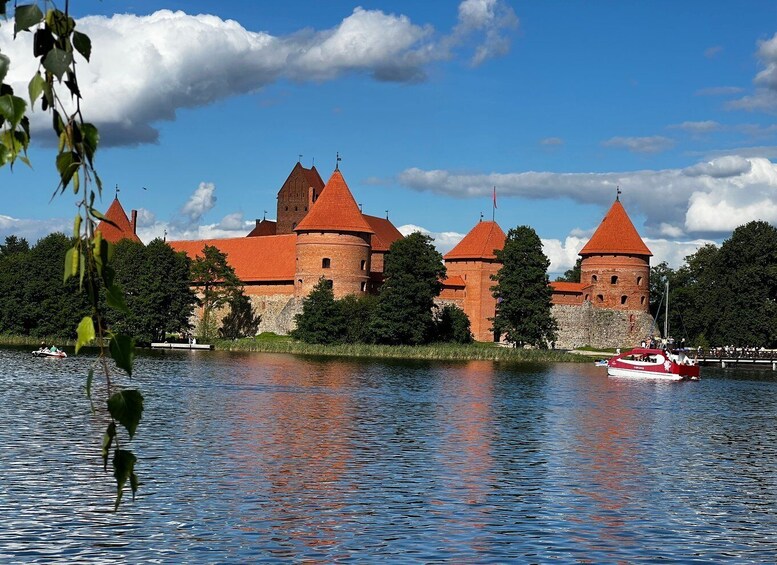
(616, 264)
(333, 242)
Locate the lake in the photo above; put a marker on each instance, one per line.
(247, 457)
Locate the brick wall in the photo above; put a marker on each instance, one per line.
(617, 282)
(348, 265)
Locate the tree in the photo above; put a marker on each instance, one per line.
(453, 325)
(240, 321)
(357, 311)
(692, 291)
(14, 245)
(573, 274)
(321, 320)
(522, 291)
(413, 271)
(156, 282)
(218, 283)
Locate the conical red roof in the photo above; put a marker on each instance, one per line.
(335, 210)
(616, 235)
(122, 229)
(479, 243)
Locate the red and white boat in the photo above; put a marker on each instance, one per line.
(645, 363)
(43, 352)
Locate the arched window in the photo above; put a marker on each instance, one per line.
(614, 279)
(639, 281)
(330, 283)
(642, 300)
(363, 265)
(624, 299)
(326, 262)
(364, 287)
(587, 297)
(600, 298)
(594, 278)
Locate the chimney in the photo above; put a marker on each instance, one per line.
(134, 222)
(258, 221)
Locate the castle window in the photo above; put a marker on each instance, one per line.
(594, 278)
(295, 208)
(587, 297)
(299, 281)
(642, 300)
(326, 262)
(639, 281)
(624, 299)
(330, 283)
(364, 287)
(287, 208)
(306, 208)
(364, 266)
(600, 298)
(614, 279)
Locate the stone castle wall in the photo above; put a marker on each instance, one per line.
(277, 313)
(585, 325)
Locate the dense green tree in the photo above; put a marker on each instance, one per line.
(413, 271)
(747, 279)
(321, 319)
(240, 321)
(453, 325)
(357, 311)
(155, 279)
(14, 245)
(692, 289)
(522, 291)
(217, 282)
(573, 274)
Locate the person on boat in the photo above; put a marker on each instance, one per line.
(54, 349)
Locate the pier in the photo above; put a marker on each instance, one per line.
(166, 345)
(736, 357)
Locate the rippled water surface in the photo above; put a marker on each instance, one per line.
(253, 457)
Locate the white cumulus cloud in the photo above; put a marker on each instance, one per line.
(200, 202)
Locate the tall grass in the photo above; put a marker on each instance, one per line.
(8, 339)
(438, 351)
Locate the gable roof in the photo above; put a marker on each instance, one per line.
(479, 243)
(123, 228)
(563, 286)
(265, 227)
(255, 259)
(335, 210)
(385, 233)
(616, 235)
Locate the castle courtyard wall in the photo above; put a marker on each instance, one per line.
(581, 326)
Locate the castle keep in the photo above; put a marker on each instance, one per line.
(320, 232)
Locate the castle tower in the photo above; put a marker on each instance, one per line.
(333, 242)
(615, 270)
(121, 227)
(295, 198)
(473, 260)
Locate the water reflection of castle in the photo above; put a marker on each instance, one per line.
(320, 232)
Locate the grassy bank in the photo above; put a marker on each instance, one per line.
(438, 352)
(34, 341)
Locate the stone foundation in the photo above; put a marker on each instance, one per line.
(277, 313)
(584, 325)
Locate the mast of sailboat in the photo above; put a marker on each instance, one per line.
(666, 312)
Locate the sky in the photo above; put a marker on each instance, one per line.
(205, 107)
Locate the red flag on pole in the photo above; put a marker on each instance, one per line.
(494, 197)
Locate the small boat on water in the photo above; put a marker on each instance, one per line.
(48, 353)
(647, 363)
(601, 363)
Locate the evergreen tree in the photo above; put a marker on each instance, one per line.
(453, 325)
(321, 320)
(14, 245)
(218, 283)
(693, 312)
(240, 321)
(413, 271)
(357, 311)
(522, 291)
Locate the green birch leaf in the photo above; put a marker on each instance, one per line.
(91, 140)
(123, 469)
(25, 17)
(35, 88)
(122, 350)
(108, 436)
(5, 62)
(57, 62)
(71, 263)
(77, 226)
(126, 407)
(67, 164)
(83, 44)
(114, 296)
(12, 109)
(85, 332)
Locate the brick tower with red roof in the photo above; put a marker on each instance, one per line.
(470, 266)
(297, 195)
(615, 270)
(333, 242)
(120, 227)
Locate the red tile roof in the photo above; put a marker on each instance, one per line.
(335, 210)
(123, 228)
(560, 286)
(314, 178)
(255, 259)
(454, 281)
(479, 243)
(385, 233)
(616, 235)
(265, 227)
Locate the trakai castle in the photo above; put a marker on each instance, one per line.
(321, 232)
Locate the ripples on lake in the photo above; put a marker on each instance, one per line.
(249, 457)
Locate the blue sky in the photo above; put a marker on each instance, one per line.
(431, 105)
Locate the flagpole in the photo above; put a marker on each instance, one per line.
(493, 207)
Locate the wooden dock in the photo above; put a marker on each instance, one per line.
(197, 346)
(757, 359)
